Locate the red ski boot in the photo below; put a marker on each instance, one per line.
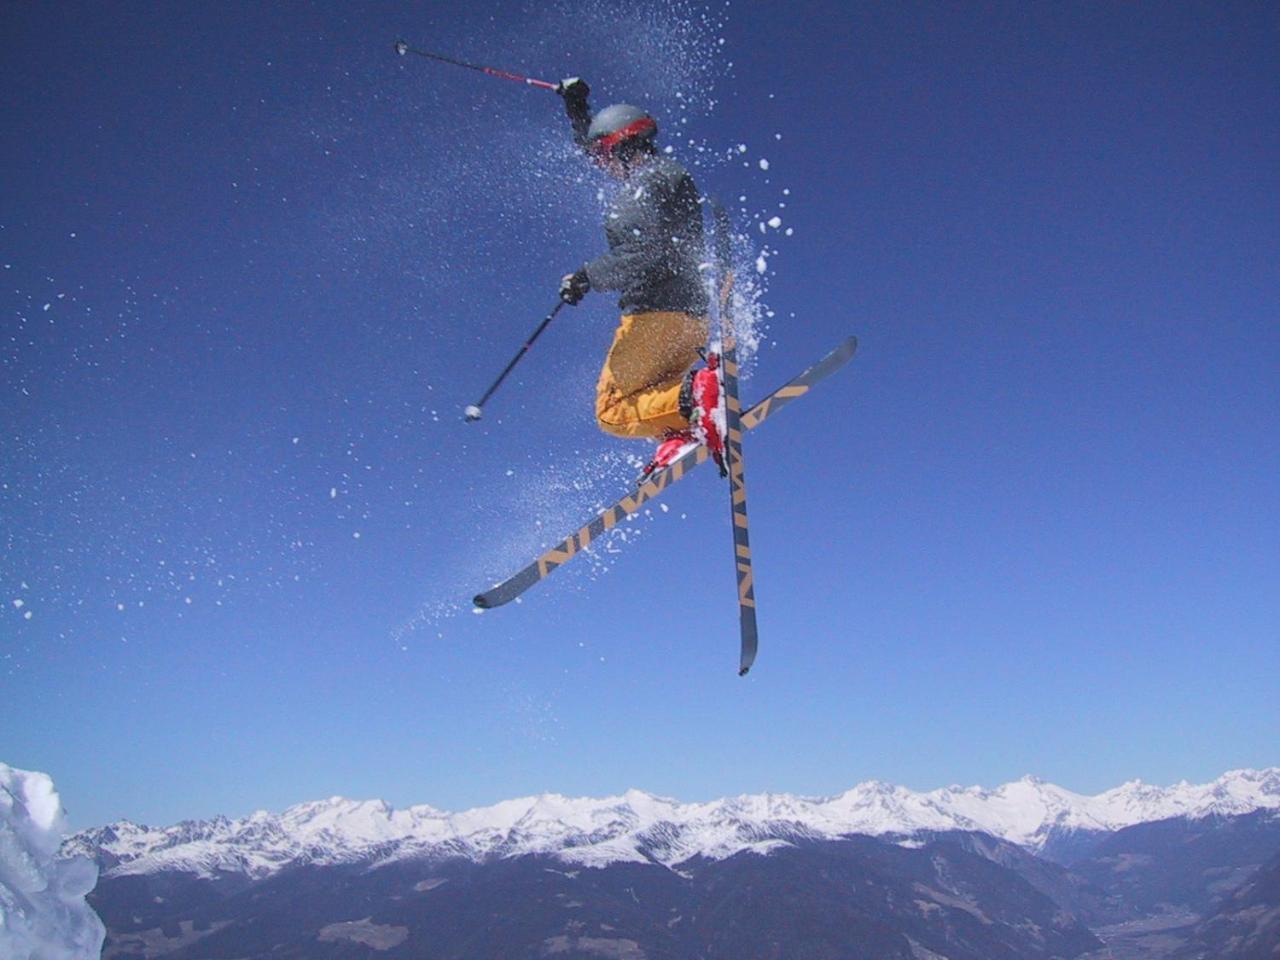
(700, 402)
(672, 447)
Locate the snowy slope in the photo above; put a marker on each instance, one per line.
(43, 913)
(638, 826)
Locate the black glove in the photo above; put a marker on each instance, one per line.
(573, 88)
(574, 287)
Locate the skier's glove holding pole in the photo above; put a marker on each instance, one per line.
(574, 287)
(573, 88)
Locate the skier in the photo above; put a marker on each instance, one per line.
(648, 386)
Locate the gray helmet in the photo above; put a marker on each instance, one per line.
(620, 123)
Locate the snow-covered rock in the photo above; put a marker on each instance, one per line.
(43, 913)
(639, 827)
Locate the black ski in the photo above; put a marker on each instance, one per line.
(733, 443)
(566, 549)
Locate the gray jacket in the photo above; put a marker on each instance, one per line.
(654, 229)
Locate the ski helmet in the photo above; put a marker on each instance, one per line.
(619, 124)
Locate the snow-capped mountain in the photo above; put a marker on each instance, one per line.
(640, 827)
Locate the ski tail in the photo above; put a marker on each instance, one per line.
(733, 442)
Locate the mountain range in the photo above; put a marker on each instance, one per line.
(641, 828)
(1025, 871)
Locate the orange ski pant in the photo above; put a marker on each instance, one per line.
(638, 394)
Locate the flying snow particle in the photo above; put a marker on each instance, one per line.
(333, 493)
(764, 164)
(775, 222)
(761, 264)
(19, 604)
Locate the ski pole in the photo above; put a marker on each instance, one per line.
(402, 48)
(473, 412)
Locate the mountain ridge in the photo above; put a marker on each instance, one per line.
(640, 827)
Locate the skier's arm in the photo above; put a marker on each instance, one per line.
(575, 91)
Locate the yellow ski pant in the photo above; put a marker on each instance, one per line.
(638, 394)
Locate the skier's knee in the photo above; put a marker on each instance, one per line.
(609, 420)
(621, 417)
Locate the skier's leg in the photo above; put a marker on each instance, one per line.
(638, 394)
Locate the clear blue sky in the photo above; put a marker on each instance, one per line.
(254, 266)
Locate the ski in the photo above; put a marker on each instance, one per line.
(566, 549)
(733, 443)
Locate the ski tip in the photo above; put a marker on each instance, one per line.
(844, 352)
(742, 672)
(479, 601)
